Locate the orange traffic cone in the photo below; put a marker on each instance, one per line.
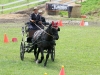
(82, 23)
(5, 39)
(60, 23)
(62, 71)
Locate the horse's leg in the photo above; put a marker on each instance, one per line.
(37, 55)
(42, 55)
(52, 54)
(47, 56)
(35, 51)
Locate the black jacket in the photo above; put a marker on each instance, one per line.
(43, 19)
(36, 19)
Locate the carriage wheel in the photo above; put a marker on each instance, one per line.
(22, 39)
(53, 54)
(22, 51)
(23, 31)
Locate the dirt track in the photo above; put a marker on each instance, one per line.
(13, 18)
(23, 18)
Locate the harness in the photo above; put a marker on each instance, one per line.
(37, 35)
(43, 30)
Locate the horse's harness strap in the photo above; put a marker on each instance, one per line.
(43, 30)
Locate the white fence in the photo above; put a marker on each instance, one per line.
(18, 6)
(11, 3)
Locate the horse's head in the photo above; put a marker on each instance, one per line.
(53, 30)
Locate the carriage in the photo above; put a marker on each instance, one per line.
(26, 42)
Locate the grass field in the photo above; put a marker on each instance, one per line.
(91, 6)
(78, 49)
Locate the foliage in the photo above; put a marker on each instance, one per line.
(63, 13)
(90, 6)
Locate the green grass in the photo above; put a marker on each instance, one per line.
(63, 13)
(78, 49)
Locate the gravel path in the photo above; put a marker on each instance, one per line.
(49, 19)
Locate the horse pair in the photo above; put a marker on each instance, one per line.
(45, 40)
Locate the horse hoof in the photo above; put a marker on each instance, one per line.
(53, 60)
(37, 61)
(44, 65)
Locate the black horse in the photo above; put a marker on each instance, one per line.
(45, 40)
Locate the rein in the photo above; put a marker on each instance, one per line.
(43, 30)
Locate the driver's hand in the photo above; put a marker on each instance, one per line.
(40, 22)
(32, 21)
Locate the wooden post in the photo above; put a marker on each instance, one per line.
(81, 1)
(2, 10)
(76, 11)
(27, 2)
(69, 14)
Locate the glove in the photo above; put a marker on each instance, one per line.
(32, 21)
(40, 22)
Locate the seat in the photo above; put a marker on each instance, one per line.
(29, 30)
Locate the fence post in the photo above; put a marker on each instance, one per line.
(2, 9)
(28, 4)
(81, 1)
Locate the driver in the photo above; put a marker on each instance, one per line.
(35, 19)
